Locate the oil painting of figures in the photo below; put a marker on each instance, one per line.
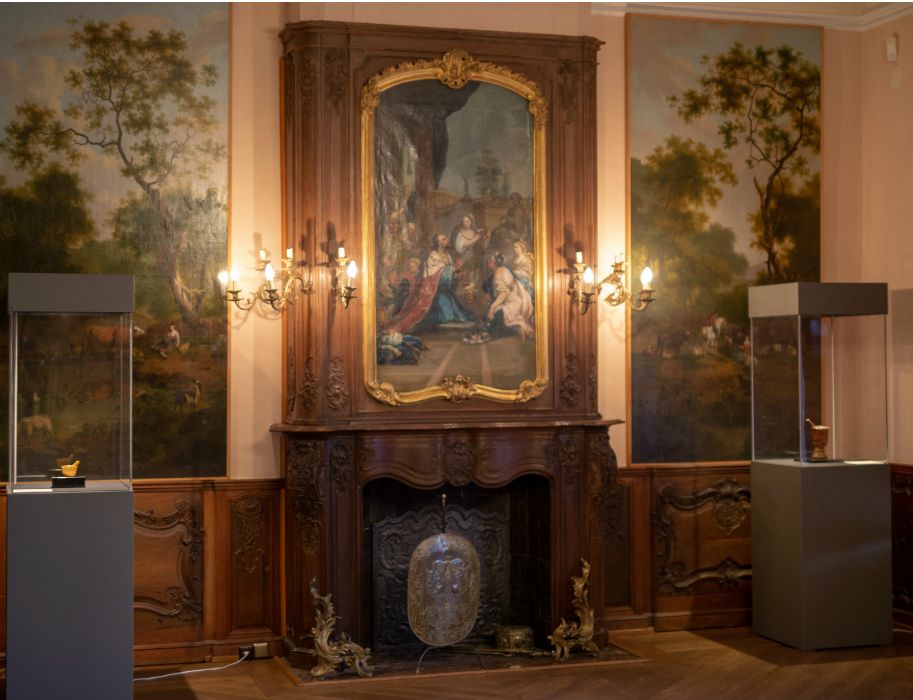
(113, 159)
(724, 146)
(454, 244)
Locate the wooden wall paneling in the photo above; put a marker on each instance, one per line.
(702, 547)
(249, 563)
(199, 592)
(629, 603)
(902, 543)
(168, 566)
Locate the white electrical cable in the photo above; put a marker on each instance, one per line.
(193, 670)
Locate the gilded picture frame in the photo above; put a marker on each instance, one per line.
(455, 301)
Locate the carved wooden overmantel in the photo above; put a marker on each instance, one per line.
(340, 431)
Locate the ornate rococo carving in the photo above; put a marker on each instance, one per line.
(459, 458)
(337, 393)
(247, 524)
(184, 601)
(304, 484)
(731, 502)
(341, 465)
(289, 92)
(290, 381)
(454, 69)
(336, 71)
(307, 82)
(569, 460)
(593, 380)
(458, 388)
(568, 88)
(606, 496)
(571, 386)
(307, 389)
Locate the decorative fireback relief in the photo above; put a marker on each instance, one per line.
(394, 540)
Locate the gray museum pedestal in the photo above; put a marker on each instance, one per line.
(821, 553)
(70, 594)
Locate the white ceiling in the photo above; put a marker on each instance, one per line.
(838, 15)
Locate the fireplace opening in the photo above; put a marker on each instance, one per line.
(510, 528)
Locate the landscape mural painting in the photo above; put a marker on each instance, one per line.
(454, 237)
(113, 159)
(724, 146)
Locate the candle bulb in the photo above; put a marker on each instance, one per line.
(341, 253)
(269, 273)
(289, 253)
(588, 277)
(646, 279)
(233, 279)
(578, 257)
(223, 278)
(351, 271)
(262, 255)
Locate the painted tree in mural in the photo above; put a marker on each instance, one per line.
(139, 100)
(768, 101)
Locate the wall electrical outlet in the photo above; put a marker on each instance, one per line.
(249, 649)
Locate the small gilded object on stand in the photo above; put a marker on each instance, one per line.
(576, 634)
(68, 470)
(334, 655)
(819, 441)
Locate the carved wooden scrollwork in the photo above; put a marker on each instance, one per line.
(459, 458)
(569, 460)
(247, 530)
(593, 380)
(305, 491)
(290, 381)
(568, 88)
(307, 389)
(341, 466)
(185, 600)
(336, 71)
(730, 506)
(307, 82)
(606, 496)
(337, 393)
(570, 385)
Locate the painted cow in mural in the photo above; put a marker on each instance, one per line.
(104, 337)
(40, 424)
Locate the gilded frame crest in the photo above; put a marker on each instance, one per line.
(514, 336)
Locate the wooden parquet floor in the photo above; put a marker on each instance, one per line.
(723, 663)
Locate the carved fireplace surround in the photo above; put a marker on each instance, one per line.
(336, 437)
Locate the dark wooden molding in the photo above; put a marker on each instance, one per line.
(341, 467)
(570, 459)
(336, 73)
(290, 381)
(568, 89)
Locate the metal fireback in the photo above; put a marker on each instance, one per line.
(443, 588)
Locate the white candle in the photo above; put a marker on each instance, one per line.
(341, 253)
(269, 273)
(351, 271)
(289, 253)
(233, 279)
(578, 257)
(262, 254)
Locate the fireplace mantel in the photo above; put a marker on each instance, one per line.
(328, 467)
(337, 435)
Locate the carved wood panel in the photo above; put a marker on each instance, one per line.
(168, 563)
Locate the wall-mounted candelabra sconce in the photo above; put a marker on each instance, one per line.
(344, 290)
(619, 294)
(275, 291)
(583, 289)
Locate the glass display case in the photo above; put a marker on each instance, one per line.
(70, 381)
(818, 372)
